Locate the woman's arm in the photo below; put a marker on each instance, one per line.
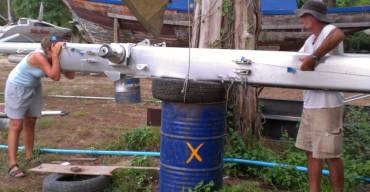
(52, 70)
(69, 74)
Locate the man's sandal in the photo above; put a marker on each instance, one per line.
(15, 172)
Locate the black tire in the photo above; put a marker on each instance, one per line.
(168, 89)
(75, 183)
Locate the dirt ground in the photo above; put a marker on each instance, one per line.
(91, 124)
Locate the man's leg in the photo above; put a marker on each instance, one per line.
(336, 169)
(314, 172)
(29, 135)
(13, 140)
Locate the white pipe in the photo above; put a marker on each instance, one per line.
(354, 98)
(347, 72)
(81, 97)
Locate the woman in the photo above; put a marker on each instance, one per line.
(23, 97)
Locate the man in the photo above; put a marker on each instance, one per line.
(320, 133)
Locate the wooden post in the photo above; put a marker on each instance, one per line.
(246, 29)
(196, 24)
(238, 32)
(115, 30)
(10, 19)
(210, 27)
(330, 3)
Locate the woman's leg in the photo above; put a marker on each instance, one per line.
(13, 140)
(29, 135)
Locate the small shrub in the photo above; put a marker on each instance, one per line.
(203, 187)
(45, 122)
(142, 138)
(133, 180)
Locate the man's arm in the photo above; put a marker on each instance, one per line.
(330, 42)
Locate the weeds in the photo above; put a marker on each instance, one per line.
(356, 157)
(45, 122)
(79, 114)
(143, 162)
(142, 138)
(203, 187)
(133, 180)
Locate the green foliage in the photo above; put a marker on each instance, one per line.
(3, 12)
(143, 162)
(142, 138)
(357, 42)
(356, 146)
(228, 11)
(203, 187)
(54, 11)
(356, 157)
(344, 3)
(127, 180)
(349, 3)
(45, 122)
(247, 186)
(1, 98)
(357, 133)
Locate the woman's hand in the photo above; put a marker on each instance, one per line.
(56, 49)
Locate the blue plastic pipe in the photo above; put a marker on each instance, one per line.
(157, 154)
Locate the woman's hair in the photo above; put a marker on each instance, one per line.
(48, 41)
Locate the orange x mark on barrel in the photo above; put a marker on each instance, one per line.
(194, 152)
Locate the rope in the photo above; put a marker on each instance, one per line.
(185, 86)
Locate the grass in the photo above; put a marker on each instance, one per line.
(78, 114)
(12, 190)
(141, 138)
(152, 101)
(134, 180)
(45, 122)
(245, 186)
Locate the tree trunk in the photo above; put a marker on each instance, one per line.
(196, 24)
(240, 23)
(9, 5)
(210, 26)
(330, 3)
(246, 30)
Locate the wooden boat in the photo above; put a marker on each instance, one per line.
(96, 18)
(280, 31)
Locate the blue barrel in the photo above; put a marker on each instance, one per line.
(192, 142)
(127, 90)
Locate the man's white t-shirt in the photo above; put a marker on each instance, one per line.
(314, 99)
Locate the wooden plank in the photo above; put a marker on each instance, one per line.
(166, 21)
(115, 30)
(196, 24)
(83, 169)
(210, 23)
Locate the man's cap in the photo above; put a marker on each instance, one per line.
(315, 8)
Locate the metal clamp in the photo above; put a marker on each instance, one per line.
(243, 61)
(114, 52)
(243, 72)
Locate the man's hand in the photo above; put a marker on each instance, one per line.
(308, 63)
